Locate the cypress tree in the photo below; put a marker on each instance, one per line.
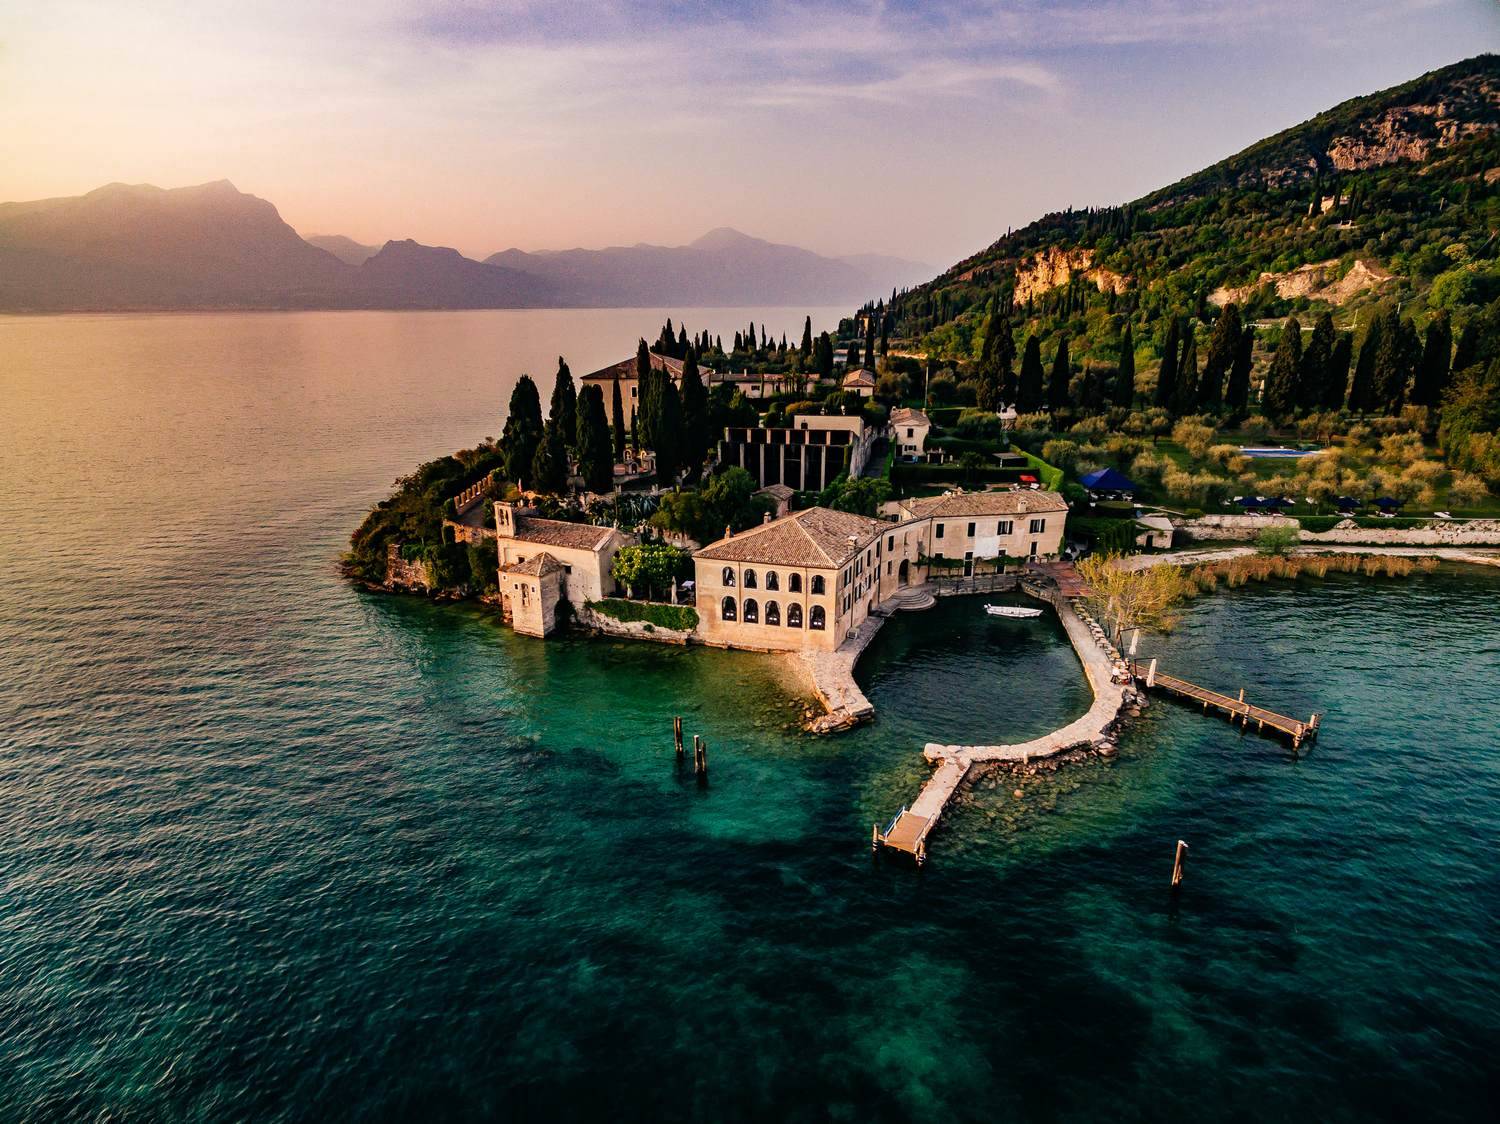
(549, 464)
(1237, 389)
(1029, 393)
(1124, 390)
(682, 342)
(870, 340)
(1313, 374)
(669, 443)
(645, 376)
(1279, 397)
(523, 430)
(807, 338)
(825, 357)
(564, 406)
(1062, 373)
(1223, 345)
(997, 358)
(694, 416)
(1393, 362)
(1336, 377)
(617, 421)
(635, 436)
(1166, 378)
(1186, 399)
(1432, 371)
(596, 458)
(1362, 387)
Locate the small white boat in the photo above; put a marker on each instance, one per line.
(1011, 611)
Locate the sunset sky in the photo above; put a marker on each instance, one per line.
(918, 129)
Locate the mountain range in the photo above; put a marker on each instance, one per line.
(139, 247)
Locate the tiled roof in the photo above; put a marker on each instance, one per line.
(817, 537)
(1020, 501)
(625, 368)
(861, 377)
(776, 491)
(905, 415)
(554, 532)
(537, 566)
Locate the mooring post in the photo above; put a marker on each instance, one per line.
(700, 756)
(677, 734)
(1177, 864)
(874, 837)
(1151, 674)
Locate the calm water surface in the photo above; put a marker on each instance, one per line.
(275, 849)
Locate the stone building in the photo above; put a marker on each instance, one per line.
(624, 372)
(545, 561)
(861, 380)
(806, 456)
(909, 430)
(982, 525)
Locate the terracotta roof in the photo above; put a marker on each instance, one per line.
(537, 566)
(817, 537)
(860, 377)
(905, 415)
(1020, 501)
(778, 491)
(625, 368)
(554, 532)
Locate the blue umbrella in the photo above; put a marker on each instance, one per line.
(1387, 501)
(1346, 501)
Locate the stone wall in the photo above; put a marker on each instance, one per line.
(630, 630)
(1439, 532)
(401, 574)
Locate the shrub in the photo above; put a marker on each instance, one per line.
(1280, 538)
(678, 618)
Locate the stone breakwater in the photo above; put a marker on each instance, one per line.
(1438, 532)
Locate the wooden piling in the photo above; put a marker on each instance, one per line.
(700, 756)
(1177, 864)
(677, 734)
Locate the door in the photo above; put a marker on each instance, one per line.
(969, 562)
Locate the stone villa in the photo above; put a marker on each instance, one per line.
(546, 561)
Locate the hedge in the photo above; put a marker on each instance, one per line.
(679, 618)
(952, 473)
(1051, 478)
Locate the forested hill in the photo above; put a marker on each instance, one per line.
(1372, 201)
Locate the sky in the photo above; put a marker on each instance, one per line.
(920, 129)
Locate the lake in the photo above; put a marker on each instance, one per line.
(275, 848)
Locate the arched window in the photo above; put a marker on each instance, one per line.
(817, 584)
(773, 613)
(752, 612)
(749, 579)
(727, 610)
(794, 616)
(815, 619)
(772, 581)
(729, 575)
(794, 583)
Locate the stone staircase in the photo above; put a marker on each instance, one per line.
(912, 598)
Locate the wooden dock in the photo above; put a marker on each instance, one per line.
(909, 829)
(1235, 709)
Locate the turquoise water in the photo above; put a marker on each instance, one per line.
(276, 849)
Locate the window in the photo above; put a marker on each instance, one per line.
(773, 613)
(794, 583)
(817, 584)
(971, 530)
(752, 611)
(772, 581)
(794, 616)
(815, 619)
(729, 575)
(890, 542)
(939, 532)
(749, 579)
(1004, 527)
(727, 610)
(910, 432)
(1038, 526)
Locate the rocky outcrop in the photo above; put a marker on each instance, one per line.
(1053, 267)
(1439, 532)
(1316, 281)
(1414, 132)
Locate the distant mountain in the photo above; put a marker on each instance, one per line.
(347, 250)
(724, 267)
(125, 247)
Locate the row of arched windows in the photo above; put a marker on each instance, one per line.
(730, 610)
(773, 581)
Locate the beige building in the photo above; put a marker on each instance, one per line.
(803, 581)
(544, 561)
(983, 525)
(861, 381)
(624, 373)
(909, 430)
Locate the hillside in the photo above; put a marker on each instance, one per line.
(1371, 201)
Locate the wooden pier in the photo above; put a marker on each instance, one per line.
(909, 829)
(1235, 709)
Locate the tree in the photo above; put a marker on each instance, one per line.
(651, 566)
(1166, 377)
(1394, 359)
(617, 421)
(1362, 387)
(549, 464)
(564, 406)
(1237, 389)
(1278, 398)
(870, 340)
(1124, 388)
(1336, 377)
(1222, 346)
(1062, 374)
(696, 437)
(1470, 429)
(727, 500)
(1279, 538)
(997, 358)
(807, 338)
(596, 458)
(1126, 599)
(1185, 401)
(861, 495)
(523, 430)
(823, 359)
(1029, 393)
(669, 436)
(1432, 372)
(1314, 372)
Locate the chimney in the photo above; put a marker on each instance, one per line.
(766, 518)
(728, 531)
